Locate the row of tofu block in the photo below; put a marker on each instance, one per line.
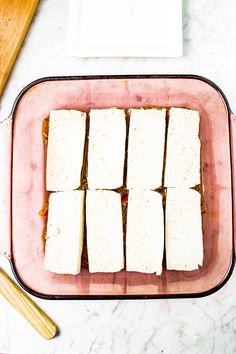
(104, 228)
(107, 144)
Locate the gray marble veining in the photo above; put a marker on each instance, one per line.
(188, 326)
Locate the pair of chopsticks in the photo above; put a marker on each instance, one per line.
(26, 307)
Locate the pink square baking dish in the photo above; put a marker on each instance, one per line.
(22, 187)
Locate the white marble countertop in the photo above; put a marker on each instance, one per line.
(205, 325)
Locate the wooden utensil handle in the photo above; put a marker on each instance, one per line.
(26, 307)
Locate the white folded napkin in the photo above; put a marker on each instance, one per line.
(125, 28)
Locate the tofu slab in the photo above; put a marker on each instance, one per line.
(65, 232)
(184, 245)
(146, 148)
(144, 232)
(65, 150)
(104, 231)
(106, 150)
(183, 149)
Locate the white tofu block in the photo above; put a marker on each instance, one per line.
(104, 231)
(184, 245)
(144, 232)
(65, 232)
(106, 150)
(146, 148)
(65, 150)
(183, 149)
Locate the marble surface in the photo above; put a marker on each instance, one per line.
(205, 325)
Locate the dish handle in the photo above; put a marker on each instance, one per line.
(233, 157)
(5, 186)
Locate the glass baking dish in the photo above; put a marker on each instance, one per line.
(23, 183)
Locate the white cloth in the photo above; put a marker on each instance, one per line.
(125, 28)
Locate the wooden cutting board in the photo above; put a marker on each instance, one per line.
(15, 18)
